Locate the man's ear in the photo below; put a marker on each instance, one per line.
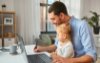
(62, 15)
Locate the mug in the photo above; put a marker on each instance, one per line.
(13, 49)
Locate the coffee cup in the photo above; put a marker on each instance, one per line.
(13, 49)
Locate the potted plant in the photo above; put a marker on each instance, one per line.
(93, 21)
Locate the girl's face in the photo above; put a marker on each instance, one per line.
(62, 37)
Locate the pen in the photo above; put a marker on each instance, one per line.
(36, 45)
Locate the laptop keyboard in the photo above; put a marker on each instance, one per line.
(39, 58)
(45, 58)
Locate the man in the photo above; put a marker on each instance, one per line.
(82, 37)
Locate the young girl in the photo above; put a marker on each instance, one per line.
(64, 47)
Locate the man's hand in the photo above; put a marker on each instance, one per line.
(57, 59)
(53, 54)
(50, 48)
(38, 49)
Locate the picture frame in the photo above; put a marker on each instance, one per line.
(8, 21)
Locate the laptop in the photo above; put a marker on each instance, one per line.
(34, 58)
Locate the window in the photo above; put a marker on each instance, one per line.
(73, 7)
(46, 25)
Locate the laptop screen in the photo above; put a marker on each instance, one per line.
(23, 51)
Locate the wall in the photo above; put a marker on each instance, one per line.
(9, 4)
(85, 7)
(88, 5)
(95, 6)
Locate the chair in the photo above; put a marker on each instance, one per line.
(44, 40)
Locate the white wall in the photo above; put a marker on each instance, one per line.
(87, 5)
(90, 5)
(95, 6)
(9, 4)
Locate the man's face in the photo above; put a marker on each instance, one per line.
(55, 19)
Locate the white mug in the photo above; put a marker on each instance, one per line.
(13, 49)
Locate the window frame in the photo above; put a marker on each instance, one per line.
(46, 18)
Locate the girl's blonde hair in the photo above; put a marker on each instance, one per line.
(65, 29)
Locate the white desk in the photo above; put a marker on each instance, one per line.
(5, 57)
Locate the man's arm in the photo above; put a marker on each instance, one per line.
(83, 59)
(50, 48)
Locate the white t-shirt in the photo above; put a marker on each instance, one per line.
(65, 50)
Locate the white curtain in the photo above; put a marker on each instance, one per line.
(28, 19)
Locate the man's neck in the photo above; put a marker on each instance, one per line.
(67, 18)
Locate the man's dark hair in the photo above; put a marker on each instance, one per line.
(58, 7)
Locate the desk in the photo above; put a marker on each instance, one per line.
(5, 57)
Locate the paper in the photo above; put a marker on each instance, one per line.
(30, 50)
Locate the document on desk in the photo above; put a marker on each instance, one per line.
(30, 50)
